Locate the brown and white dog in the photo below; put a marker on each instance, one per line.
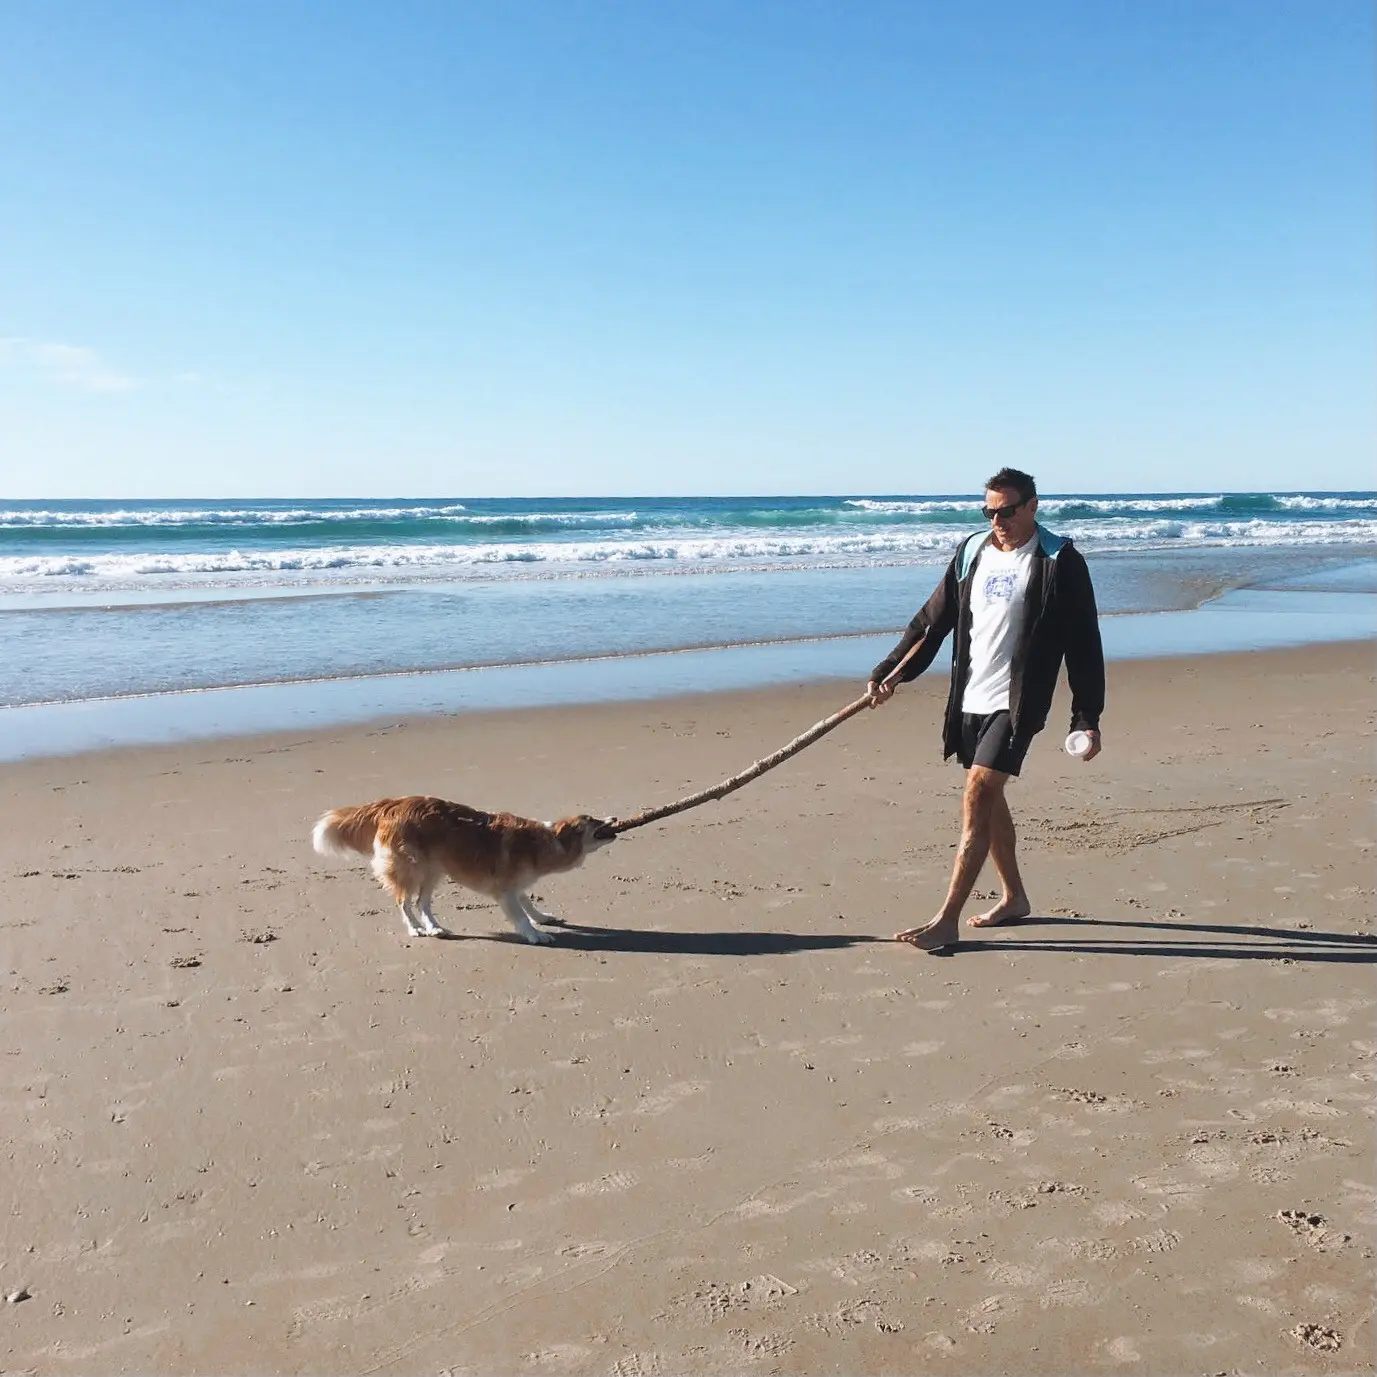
(416, 842)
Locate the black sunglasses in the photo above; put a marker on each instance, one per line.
(1006, 511)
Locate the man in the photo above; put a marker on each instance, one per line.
(1019, 600)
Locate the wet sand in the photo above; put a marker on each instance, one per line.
(724, 1126)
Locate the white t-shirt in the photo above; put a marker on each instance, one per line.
(999, 590)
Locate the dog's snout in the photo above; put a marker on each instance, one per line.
(604, 832)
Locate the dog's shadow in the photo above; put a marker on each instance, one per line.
(580, 937)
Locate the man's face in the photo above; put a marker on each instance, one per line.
(1015, 529)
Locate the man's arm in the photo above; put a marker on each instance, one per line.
(1081, 637)
(923, 636)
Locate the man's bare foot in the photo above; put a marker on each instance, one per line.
(933, 936)
(1005, 912)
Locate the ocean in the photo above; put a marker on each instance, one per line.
(105, 601)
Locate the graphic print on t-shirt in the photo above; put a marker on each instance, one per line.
(1000, 587)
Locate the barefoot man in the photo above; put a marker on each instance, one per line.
(1019, 600)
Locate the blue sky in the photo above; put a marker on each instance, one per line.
(635, 248)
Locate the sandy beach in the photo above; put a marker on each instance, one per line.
(725, 1125)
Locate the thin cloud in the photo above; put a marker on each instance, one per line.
(67, 365)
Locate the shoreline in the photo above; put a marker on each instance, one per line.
(1240, 621)
(823, 694)
(723, 1124)
(110, 650)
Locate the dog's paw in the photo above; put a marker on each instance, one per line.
(539, 939)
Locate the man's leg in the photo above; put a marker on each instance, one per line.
(1003, 841)
(984, 792)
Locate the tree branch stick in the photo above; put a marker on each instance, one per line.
(728, 786)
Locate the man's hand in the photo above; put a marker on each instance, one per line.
(1094, 734)
(880, 692)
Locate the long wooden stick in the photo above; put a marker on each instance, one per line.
(736, 781)
(728, 786)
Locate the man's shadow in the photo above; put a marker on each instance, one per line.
(1247, 942)
(1232, 941)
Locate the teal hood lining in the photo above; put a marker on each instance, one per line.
(1049, 544)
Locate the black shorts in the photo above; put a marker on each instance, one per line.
(987, 738)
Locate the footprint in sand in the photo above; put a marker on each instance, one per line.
(1116, 1213)
(500, 1179)
(1161, 1241)
(853, 1268)
(920, 1194)
(611, 1184)
(691, 1163)
(1011, 1274)
(669, 1098)
(1123, 1350)
(762, 1347)
(1318, 1336)
(1216, 1163)
(592, 1248)
(922, 1049)
(714, 1300)
(1090, 1097)
(1075, 1291)
(1171, 1187)
(1327, 1013)
(1082, 1249)
(1314, 1229)
(639, 1365)
(1252, 1270)
(558, 1358)
(1307, 1109)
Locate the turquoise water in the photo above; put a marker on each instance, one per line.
(344, 610)
(1247, 619)
(112, 545)
(102, 599)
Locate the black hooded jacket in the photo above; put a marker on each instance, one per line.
(1060, 621)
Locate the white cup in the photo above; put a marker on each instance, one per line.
(1078, 745)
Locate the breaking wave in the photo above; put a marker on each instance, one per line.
(883, 544)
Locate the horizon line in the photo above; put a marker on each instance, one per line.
(1219, 491)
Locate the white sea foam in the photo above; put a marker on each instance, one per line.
(1109, 506)
(1126, 506)
(1301, 502)
(746, 546)
(220, 516)
(573, 519)
(912, 508)
(1252, 532)
(706, 550)
(1120, 506)
(230, 514)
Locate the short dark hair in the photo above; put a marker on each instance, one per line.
(1022, 483)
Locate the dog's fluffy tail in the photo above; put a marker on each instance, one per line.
(344, 830)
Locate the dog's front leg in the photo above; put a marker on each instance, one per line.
(513, 904)
(429, 926)
(537, 915)
(413, 928)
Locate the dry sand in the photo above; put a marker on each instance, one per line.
(725, 1126)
